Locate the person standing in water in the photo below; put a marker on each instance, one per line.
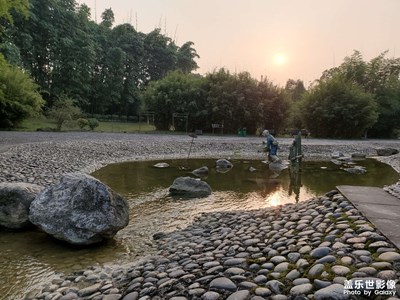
(271, 145)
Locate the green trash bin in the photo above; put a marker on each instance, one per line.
(244, 131)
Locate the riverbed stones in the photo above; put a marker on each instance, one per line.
(190, 187)
(198, 242)
(80, 210)
(15, 200)
(222, 254)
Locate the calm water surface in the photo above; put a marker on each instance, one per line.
(30, 258)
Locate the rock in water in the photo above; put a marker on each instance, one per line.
(190, 187)
(161, 165)
(201, 172)
(15, 199)
(223, 163)
(80, 210)
(356, 170)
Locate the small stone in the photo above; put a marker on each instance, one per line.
(223, 284)
(390, 256)
(340, 270)
(263, 292)
(301, 289)
(334, 291)
(320, 252)
(89, 290)
(282, 267)
(316, 270)
(210, 296)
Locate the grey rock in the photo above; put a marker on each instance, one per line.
(327, 259)
(190, 187)
(320, 284)
(390, 256)
(332, 292)
(161, 165)
(301, 289)
(386, 151)
(223, 163)
(80, 210)
(320, 252)
(131, 296)
(222, 284)
(89, 290)
(340, 270)
(201, 172)
(275, 286)
(356, 170)
(316, 270)
(293, 274)
(234, 262)
(15, 199)
(263, 292)
(239, 295)
(210, 296)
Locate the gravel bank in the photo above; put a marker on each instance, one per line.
(303, 250)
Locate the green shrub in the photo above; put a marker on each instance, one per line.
(64, 110)
(93, 123)
(82, 123)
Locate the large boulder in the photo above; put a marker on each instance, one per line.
(386, 151)
(15, 199)
(80, 210)
(190, 187)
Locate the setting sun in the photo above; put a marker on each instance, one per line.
(280, 59)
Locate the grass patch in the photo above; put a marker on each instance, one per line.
(33, 124)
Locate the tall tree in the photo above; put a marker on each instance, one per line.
(160, 55)
(107, 18)
(186, 58)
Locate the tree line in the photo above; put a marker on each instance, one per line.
(356, 99)
(50, 51)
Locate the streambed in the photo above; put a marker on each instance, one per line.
(30, 258)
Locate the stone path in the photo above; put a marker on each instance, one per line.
(380, 208)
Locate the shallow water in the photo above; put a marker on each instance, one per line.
(28, 259)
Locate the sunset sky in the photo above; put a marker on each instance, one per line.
(279, 39)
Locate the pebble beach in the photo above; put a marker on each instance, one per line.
(311, 250)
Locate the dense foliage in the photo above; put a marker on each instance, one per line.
(380, 78)
(19, 97)
(103, 68)
(338, 108)
(236, 101)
